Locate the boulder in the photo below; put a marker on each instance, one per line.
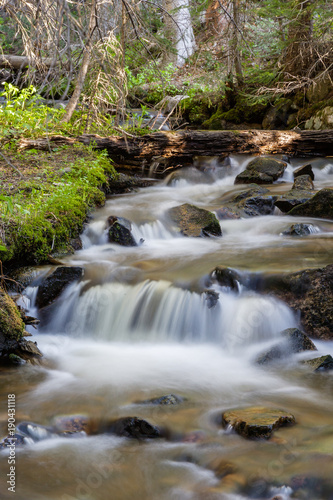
(134, 427)
(304, 170)
(299, 230)
(261, 170)
(320, 205)
(294, 342)
(322, 363)
(256, 422)
(224, 213)
(309, 292)
(169, 399)
(302, 191)
(252, 202)
(322, 120)
(55, 284)
(195, 222)
(120, 231)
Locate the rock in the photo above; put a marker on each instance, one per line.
(212, 298)
(320, 205)
(304, 170)
(227, 213)
(295, 342)
(277, 117)
(55, 284)
(71, 424)
(309, 292)
(16, 440)
(256, 422)
(23, 276)
(322, 120)
(299, 230)
(169, 399)
(303, 182)
(124, 183)
(120, 231)
(252, 202)
(319, 364)
(261, 170)
(14, 349)
(195, 222)
(226, 277)
(302, 191)
(134, 427)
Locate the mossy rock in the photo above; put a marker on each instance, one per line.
(195, 222)
(322, 363)
(299, 230)
(11, 323)
(256, 422)
(120, 231)
(304, 170)
(320, 205)
(261, 170)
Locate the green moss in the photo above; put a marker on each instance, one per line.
(48, 212)
(11, 324)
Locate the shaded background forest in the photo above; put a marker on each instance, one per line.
(226, 64)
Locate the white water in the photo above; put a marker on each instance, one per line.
(140, 325)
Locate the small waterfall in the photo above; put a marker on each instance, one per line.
(157, 311)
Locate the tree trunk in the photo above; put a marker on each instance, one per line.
(236, 56)
(20, 62)
(70, 108)
(296, 58)
(166, 149)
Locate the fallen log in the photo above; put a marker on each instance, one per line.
(172, 149)
(21, 62)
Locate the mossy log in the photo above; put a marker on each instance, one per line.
(169, 149)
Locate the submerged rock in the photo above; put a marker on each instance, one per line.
(252, 202)
(299, 230)
(55, 284)
(304, 170)
(195, 222)
(320, 205)
(71, 424)
(225, 276)
(169, 399)
(319, 364)
(261, 170)
(134, 427)
(310, 292)
(256, 422)
(120, 231)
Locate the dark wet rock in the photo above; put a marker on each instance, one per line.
(320, 205)
(55, 284)
(309, 292)
(297, 340)
(301, 192)
(23, 277)
(227, 213)
(261, 170)
(212, 298)
(134, 427)
(299, 230)
(225, 276)
(256, 422)
(304, 170)
(169, 399)
(319, 364)
(252, 202)
(35, 432)
(195, 222)
(303, 182)
(76, 244)
(294, 342)
(120, 231)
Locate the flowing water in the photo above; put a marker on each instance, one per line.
(141, 324)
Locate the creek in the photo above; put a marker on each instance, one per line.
(139, 325)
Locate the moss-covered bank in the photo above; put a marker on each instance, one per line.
(43, 210)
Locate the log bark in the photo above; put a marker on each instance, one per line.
(175, 149)
(18, 62)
